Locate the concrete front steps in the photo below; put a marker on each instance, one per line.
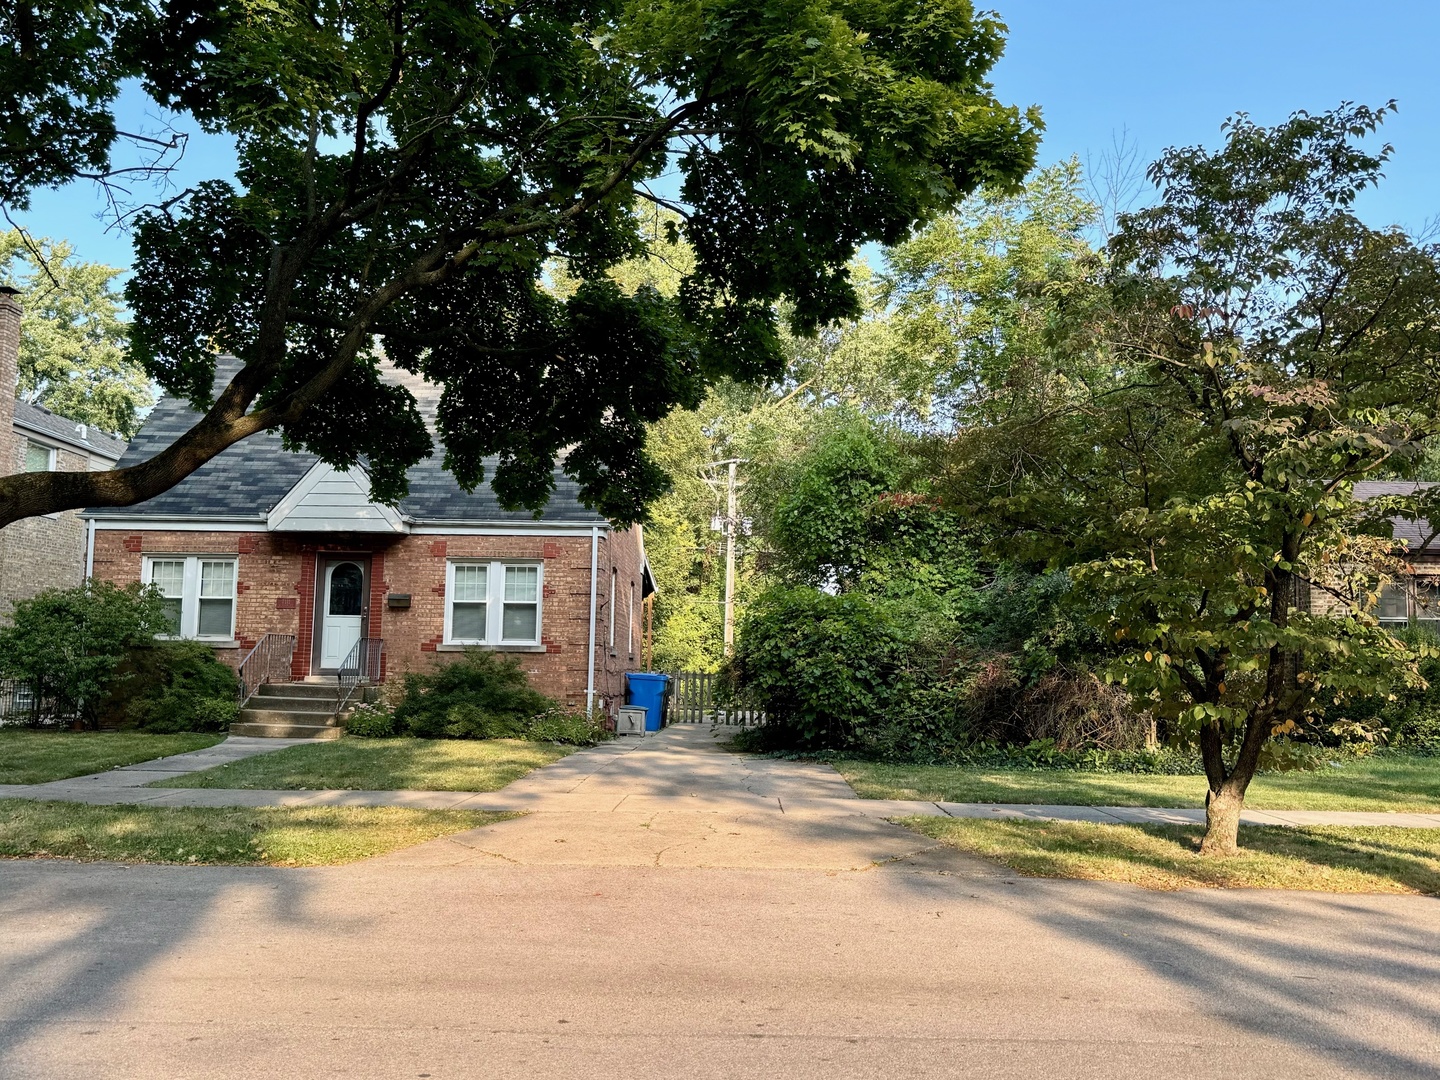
(298, 710)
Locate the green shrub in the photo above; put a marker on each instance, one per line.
(371, 720)
(1416, 729)
(479, 696)
(567, 727)
(177, 686)
(69, 644)
(825, 668)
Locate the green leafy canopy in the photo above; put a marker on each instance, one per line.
(73, 358)
(408, 168)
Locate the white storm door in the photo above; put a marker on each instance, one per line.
(343, 616)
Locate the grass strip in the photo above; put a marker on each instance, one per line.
(37, 757)
(268, 836)
(1392, 782)
(1325, 858)
(351, 764)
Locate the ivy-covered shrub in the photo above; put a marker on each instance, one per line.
(1407, 719)
(480, 695)
(175, 686)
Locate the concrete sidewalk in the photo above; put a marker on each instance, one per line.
(683, 769)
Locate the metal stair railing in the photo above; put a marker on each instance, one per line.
(362, 666)
(268, 661)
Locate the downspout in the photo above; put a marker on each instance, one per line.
(89, 548)
(594, 572)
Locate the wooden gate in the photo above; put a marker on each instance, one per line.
(692, 701)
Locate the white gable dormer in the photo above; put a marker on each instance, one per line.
(334, 500)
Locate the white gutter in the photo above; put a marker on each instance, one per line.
(594, 574)
(89, 549)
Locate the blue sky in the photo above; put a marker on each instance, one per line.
(1159, 73)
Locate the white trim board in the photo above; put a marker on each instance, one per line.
(258, 525)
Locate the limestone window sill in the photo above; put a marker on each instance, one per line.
(492, 648)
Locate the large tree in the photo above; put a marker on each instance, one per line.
(73, 357)
(1188, 449)
(408, 167)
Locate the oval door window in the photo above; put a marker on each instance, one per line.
(347, 585)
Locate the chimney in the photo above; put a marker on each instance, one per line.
(9, 377)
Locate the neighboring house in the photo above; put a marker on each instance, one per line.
(262, 540)
(1416, 599)
(41, 552)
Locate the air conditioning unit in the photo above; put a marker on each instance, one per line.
(630, 721)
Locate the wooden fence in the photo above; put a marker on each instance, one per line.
(692, 701)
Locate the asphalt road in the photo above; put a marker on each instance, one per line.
(719, 942)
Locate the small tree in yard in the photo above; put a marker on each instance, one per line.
(68, 643)
(1254, 351)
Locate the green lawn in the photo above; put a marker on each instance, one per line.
(281, 836)
(1386, 782)
(383, 765)
(37, 757)
(1328, 859)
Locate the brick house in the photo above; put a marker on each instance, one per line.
(262, 540)
(42, 552)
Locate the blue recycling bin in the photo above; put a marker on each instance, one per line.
(647, 691)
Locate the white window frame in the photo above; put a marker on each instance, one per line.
(51, 455)
(495, 602)
(190, 593)
(1425, 615)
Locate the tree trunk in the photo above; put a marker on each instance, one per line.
(1222, 821)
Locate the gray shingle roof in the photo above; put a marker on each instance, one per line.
(41, 420)
(1414, 533)
(251, 477)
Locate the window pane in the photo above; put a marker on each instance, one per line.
(171, 610)
(467, 622)
(522, 583)
(347, 583)
(217, 579)
(37, 457)
(215, 618)
(470, 584)
(1427, 600)
(169, 577)
(519, 622)
(1393, 607)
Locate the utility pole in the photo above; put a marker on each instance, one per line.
(730, 526)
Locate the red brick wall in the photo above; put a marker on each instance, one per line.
(277, 595)
(620, 562)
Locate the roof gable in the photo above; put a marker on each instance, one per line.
(84, 437)
(249, 480)
(328, 499)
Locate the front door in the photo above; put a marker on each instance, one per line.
(342, 595)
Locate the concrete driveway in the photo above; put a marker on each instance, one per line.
(596, 940)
